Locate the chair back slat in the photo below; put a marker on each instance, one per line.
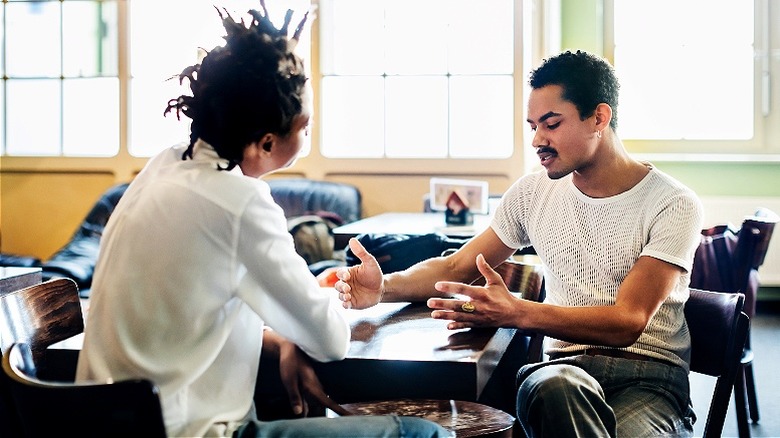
(761, 226)
(718, 329)
(40, 315)
(728, 258)
(525, 278)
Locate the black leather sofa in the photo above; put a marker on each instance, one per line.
(340, 203)
(299, 196)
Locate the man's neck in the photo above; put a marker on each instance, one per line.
(612, 173)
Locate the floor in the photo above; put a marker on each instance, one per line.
(766, 329)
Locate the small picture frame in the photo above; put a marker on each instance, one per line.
(474, 192)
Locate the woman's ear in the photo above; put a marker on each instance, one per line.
(267, 142)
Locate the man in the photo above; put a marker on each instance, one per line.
(197, 272)
(616, 237)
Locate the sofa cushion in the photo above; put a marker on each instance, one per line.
(300, 196)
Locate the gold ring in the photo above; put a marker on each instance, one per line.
(468, 307)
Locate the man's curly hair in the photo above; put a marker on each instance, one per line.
(586, 79)
(251, 86)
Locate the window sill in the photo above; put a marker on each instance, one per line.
(710, 158)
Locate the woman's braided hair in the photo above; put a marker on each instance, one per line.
(251, 86)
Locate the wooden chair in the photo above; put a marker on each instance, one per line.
(128, 408)
(728, 260)
(719, 329)
(39, 315)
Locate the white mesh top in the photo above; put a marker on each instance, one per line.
(588, 245)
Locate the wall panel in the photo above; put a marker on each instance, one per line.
(41, 210)
(384, 193)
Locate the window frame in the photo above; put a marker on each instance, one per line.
(65, 79)
(765, 144)
(527, 20)
(444, 78)
(124, 166)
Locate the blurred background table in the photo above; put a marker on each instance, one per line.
(15, 278)
(409, 224)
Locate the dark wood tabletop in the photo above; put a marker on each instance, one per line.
(398, 351)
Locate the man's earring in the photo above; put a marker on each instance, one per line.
(598, 134)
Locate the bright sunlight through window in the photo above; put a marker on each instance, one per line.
(417, 78)
(683, 81)
(165, 38)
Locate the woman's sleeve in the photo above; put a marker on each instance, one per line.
(279, 287)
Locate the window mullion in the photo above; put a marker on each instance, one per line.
(61, 151)
(765, 52)
(123, 70)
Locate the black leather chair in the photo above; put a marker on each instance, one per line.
(728, 260)
(127, 408)
(719, 329)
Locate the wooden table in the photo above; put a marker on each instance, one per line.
(15, 278)
(409, 224)
(397, 351)
(413, 224)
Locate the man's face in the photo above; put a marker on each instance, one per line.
(563, 142)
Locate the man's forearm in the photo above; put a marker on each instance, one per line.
(417, 282)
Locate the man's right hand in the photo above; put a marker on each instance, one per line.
(360, 286)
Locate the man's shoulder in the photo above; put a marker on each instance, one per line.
(663, 179)
(671, 186)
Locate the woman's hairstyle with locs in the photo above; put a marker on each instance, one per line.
(251, 86)
(586, 79)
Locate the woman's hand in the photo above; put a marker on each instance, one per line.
(298, 376)
(360, 286)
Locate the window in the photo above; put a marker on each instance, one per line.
(164, 39)
(60, 88)
(417, 78)
(63, 78)
(695, 80)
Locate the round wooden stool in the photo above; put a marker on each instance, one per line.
(464, 419)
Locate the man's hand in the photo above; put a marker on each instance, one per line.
(491, 305)
(360, 286)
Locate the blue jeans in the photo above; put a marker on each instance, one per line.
(358, 426)
(598, 396)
